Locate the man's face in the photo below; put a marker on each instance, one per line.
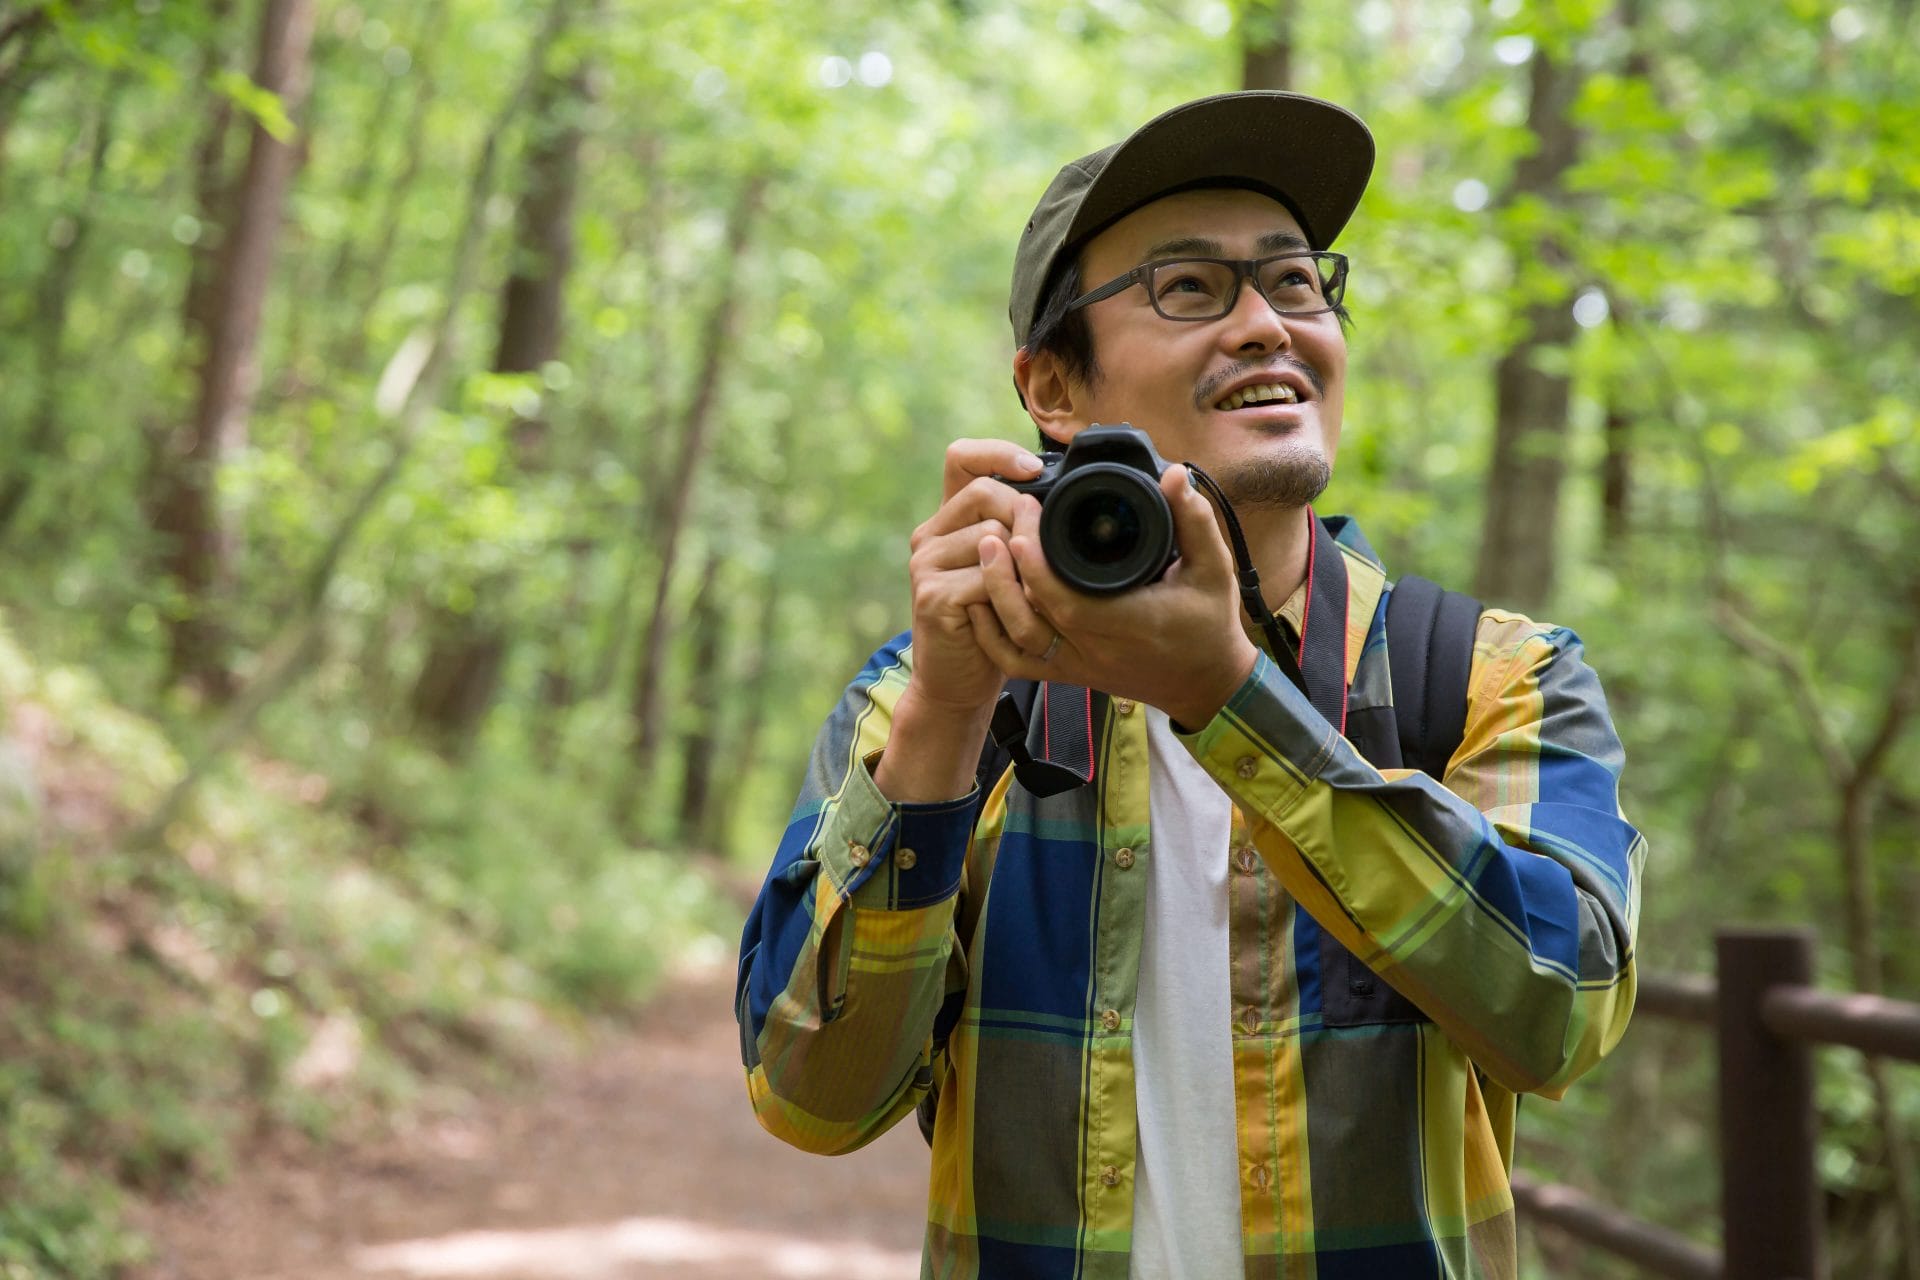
(1175, 379)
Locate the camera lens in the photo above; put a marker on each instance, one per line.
(1106, 528)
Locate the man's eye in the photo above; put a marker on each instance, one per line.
(1295, 283)
(1182, 284)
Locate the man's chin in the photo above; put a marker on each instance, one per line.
(1291, 479)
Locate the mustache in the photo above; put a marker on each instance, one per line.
(1213, 385)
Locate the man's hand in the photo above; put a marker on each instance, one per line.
(943, 713)
(1175, 644)
(950, 669)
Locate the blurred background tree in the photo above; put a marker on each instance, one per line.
(502, 409)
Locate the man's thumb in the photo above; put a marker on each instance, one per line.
(1194, 526)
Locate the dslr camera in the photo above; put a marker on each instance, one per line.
(1104, 525)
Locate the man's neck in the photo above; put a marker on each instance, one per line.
(1279, 540)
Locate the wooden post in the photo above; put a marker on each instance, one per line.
(1770, 1195)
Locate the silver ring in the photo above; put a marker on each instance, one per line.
(1051, 649)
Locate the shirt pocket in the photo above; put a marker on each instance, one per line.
(1352, 995)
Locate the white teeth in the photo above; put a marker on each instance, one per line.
(1268, 391)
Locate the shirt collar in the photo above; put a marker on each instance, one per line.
(1366, 581)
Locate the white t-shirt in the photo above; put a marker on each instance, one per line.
(1186, 1198)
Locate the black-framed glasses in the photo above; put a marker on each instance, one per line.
(1294, 284)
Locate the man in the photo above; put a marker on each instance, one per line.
(1144, 1012)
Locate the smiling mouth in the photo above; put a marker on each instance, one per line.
(1265, 393)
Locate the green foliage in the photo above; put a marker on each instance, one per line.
(1742, 234)
(537, 868)
(262, 105)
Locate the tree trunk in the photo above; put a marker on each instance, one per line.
(677, 500)
(50, 328)
(1616, 467)
(209, 196)
(18, 35)
(1266, 45)
(22, 25)
(543, 228)
(1531, 387)
(293, 651)
(707, 623)
(651, 460)
(461, 677)
(199, 548)
(559, 689)
(757, 683)
(455, 689)
(1616, 474)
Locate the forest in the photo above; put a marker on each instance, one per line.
(453, 453)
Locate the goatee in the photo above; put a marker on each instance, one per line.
(1290, 480)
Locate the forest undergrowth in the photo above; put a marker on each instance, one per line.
(325, 941)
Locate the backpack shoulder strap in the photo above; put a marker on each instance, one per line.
(1430, 633)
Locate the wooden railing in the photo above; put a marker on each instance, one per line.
(1766, 1016)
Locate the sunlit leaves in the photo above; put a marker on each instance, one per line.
(263, 105)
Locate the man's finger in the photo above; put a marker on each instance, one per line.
(948, 592)
(981, 498)
(1044, 586)
(961, 548)
(1023, 624)
(1000, 648)
(1196, 529)
(969, 460)
(993, 642)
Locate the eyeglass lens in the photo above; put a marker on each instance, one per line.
(1201, 290)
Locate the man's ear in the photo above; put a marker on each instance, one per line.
(1048, 393)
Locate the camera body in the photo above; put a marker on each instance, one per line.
(1105, 527)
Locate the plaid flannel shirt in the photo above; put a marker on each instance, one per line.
(988, 949)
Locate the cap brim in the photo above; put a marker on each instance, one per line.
(1310, 155)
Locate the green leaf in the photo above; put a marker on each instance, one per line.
(262, 104)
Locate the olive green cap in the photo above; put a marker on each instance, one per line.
(1310, 155)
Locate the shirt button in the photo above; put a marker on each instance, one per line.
(1123, 858)
(905, 859)
(1250, 1020)
(857, 853)
(1246, 859)
(1260, 1176)
(1110, 1020)
(1246, 766)
(1110, 1176)
(1124, 706)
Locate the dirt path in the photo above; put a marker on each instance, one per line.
(644, 1162)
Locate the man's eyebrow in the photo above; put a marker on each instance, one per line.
(1201, 247)
(1280, 241)
(1185, 246)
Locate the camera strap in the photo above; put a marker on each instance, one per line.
(1049, 739)
(1318, 668)
(1054, 752)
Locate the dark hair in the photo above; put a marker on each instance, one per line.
(1062, 334)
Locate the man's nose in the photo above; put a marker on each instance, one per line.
(1253, 324)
